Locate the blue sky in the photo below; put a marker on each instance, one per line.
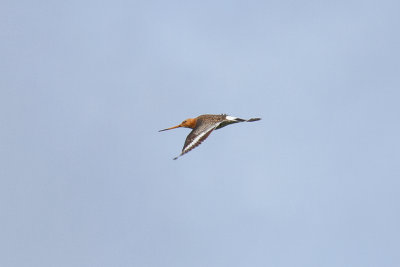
(87, 179)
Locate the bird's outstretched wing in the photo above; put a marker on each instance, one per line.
(196, 137)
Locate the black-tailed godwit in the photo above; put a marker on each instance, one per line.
(202, 127)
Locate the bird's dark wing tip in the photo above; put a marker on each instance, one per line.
(254, 119)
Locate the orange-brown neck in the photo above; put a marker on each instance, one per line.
(189, 123)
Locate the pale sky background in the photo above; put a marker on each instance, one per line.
(87, 179)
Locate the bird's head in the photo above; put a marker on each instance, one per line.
(188, 123)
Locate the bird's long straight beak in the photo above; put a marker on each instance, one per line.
(177, 126)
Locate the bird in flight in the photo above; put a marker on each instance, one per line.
(202, 127)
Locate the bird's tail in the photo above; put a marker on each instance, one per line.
(231, 120)
(249, 120)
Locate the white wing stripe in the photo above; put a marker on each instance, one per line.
(195, 140)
